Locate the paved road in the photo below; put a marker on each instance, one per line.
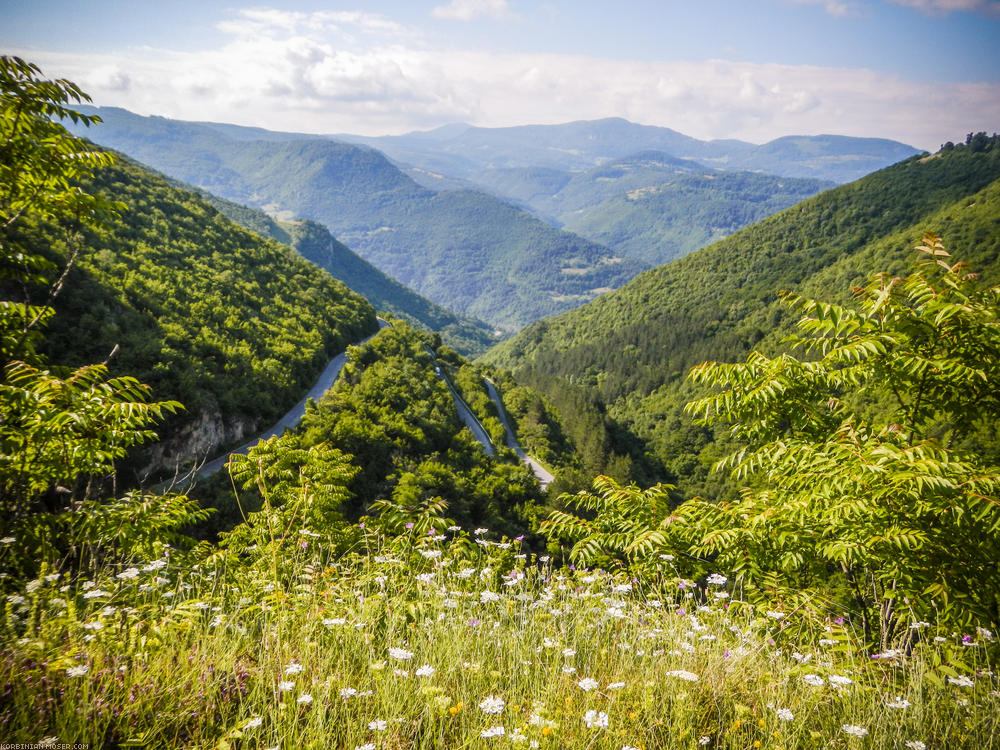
(326, 380)
(541, 473)
(464, 412)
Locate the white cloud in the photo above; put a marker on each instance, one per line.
(357, 73)
(835, 8)
(468, 10)
(944, 7)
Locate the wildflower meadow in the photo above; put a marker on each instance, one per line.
(454, 639)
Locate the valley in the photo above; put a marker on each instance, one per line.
(618, 439)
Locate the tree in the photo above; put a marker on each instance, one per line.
(58, 432)
(852, 461)
(859, 461)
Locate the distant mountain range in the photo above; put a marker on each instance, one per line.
(463, 249)
(466, 151)
(632, 193)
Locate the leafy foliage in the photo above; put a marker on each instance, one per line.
(849, 464)
(60, 435)
(397, 420)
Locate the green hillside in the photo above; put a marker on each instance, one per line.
(234, 326)
(465, 250)
(669, 219)
(633, 347)
(314, 242)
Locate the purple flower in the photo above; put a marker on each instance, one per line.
(409, 525)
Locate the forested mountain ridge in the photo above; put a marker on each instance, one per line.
(465, 250)
(634, 346)
(234, 326)
(315, 243)
(465, 151)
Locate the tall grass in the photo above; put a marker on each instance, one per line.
(434, 643)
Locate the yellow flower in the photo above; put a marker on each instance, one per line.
(455, 709)
(546, 731)
(757, 743)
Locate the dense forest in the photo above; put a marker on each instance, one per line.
(314, 242)
(233, 326)
(633, 348)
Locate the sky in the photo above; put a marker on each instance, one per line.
(918, 71)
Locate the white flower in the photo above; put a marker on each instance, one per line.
(813, 679)
(425, 671)
(898, 702)
(400, 653)
(425, 578)
(784, 714)
(683, 675)
(567, 669)
(491, 704)
(854, 731)
(253, 723)
(333, 621)
(305, 699)
(917, 626)
(94, 593)
(774, 615)
(378, 725)
(489, 596)
(622, 588)
(366, 746)
(616, 686)
(430, 554)
(704, 740)
(839, 680)
(480, 532)
(8, 540)
(285, 685)
(293, 668)
(128, 574)
(348, 692)
(491, 732)
(587, 684)
(915, 745)
(961, 681)
(569, 652)
(78, 671)
(596, 719)
(717, 580)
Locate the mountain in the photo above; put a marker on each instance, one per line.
(234, 326)
(632, 347)
(651, 206)
(466, 151)
(462, 249)
(314, 242)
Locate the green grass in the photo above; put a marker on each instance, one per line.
(194, 656)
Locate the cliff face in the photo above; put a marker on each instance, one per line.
(196, 442)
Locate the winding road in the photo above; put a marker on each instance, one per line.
(329, 376)
(541, 473)
(326, 380)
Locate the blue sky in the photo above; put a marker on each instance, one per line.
(919, 71)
